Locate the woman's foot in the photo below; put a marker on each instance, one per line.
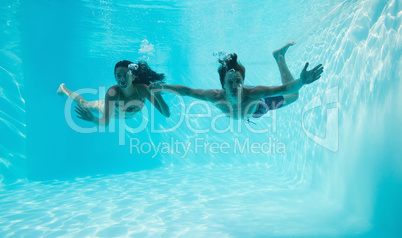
(281, 51)
(61, 90)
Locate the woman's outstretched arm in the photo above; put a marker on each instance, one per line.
(156, 100)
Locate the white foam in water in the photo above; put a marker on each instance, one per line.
(222, 56)
(146, 48)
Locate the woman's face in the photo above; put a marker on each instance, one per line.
(123, 77)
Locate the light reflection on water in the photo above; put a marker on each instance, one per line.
(219, 201)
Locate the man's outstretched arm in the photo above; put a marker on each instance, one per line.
(201, 94)
(306, 77)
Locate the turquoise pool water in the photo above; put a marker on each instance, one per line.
(329, 165)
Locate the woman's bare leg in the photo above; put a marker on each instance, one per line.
(286, 75)
(95, 106)
(75, 96)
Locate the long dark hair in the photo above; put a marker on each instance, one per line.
(144, 73)
(228, 63)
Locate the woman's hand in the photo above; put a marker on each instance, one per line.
(84, 114)
(155, 88)
(310, 76)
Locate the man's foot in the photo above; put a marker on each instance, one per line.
(282, 51)
(60, 91)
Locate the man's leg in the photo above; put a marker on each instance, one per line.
(286, 75)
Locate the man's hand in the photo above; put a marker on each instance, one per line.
(155, 88)
(310, 76)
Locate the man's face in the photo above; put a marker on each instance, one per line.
(233, 83)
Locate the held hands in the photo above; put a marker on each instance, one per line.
(84, 113)
(155, 88)
(310, 76)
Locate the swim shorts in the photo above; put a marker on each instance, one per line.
(268, 103)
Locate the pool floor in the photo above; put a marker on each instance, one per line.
(248, 201)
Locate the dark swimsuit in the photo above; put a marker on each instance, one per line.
(268, 103)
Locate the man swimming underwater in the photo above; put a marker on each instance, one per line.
(242, 102)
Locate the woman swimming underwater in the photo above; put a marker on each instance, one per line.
(123, 100)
